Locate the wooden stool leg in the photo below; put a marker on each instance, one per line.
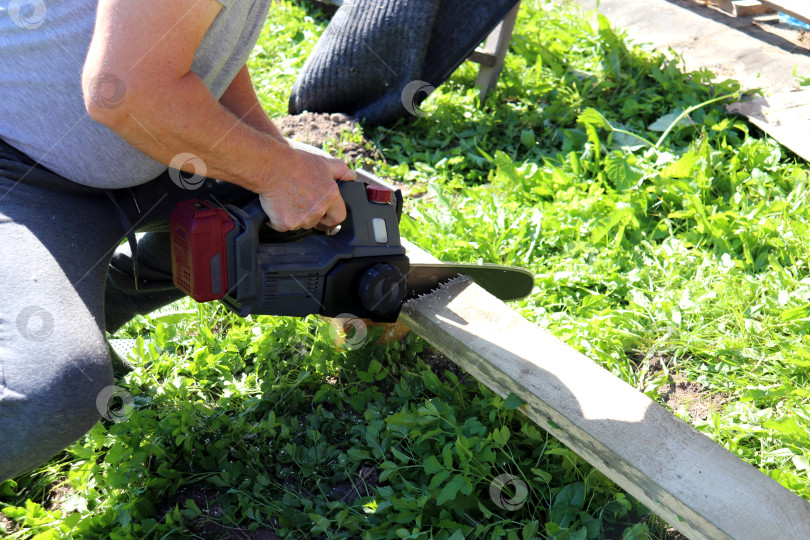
(497, 45)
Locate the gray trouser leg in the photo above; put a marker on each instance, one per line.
(59, 293)
(54, 251)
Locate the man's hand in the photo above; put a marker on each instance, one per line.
(303, 199)
(146, 49)
(310, 198)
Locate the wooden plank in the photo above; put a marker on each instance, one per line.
(798, 8)
(497, 45)
(749, 8)
(784, 116)
(741, 8)
(697, 486)
(483, 58)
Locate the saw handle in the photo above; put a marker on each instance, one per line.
(258, 217)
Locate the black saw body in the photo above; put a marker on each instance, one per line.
(230, 254)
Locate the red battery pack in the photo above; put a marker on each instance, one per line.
(199, 233)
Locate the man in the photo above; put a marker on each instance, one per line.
(97, 98)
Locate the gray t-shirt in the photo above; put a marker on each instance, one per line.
(43, 45)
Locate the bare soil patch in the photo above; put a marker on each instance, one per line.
(672, 534)
(698, 400)
(7, 524)
(317, 129)
(362, 485)
(439, 363)
(208, 525)
(679, 392)
(58, 494)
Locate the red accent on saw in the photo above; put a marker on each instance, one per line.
(199, 250)
(379, 194)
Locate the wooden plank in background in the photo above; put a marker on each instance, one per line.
(741, 8)
(694, 484)
(784, 116)
(496, 47)
(798, 8)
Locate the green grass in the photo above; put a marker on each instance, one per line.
(694, 250)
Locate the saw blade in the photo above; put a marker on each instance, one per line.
(503, 282)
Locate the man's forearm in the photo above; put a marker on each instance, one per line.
(183, 117)
(168, 111)
(240, 98)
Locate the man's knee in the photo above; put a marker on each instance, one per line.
(53, 406)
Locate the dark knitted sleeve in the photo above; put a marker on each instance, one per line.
(366, 57)
(378, 58)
